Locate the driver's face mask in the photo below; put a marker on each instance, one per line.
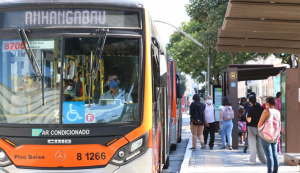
(113, 84)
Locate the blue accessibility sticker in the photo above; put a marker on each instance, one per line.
(73, 112)
(233, 84)
(36, 132)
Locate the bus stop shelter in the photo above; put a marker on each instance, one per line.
(236, 73)
(265, 26)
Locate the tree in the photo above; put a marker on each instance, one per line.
(206, 18)
(288, 60)
(191, 59)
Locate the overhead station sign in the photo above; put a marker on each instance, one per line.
(71, 18)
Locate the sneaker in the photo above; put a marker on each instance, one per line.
(192, 148)
(203, 146)
(230, 147)
(250, 163)
(245, 149)
(223, 147)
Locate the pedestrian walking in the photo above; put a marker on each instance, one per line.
(226, 125)
(197, 121)
(210, 124)
(247, 106)
(240, 116)
(254, 142)
(270, 123)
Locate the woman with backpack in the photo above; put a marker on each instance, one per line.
(226, 125)
(254, 143)
(269, 127)
(197, 121)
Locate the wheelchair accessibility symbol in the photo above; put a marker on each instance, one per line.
(73, 112)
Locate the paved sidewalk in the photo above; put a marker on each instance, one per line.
(218, 160)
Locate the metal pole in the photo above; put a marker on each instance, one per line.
(205, 85)
(293, 60)
(208, 73)
(191, 38)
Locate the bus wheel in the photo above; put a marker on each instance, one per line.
(173, 147)
(179, 140)
(166, 166)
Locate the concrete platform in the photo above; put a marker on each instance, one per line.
(224, 160)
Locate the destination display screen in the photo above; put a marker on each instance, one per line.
(69, 18)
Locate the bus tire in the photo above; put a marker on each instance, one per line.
(173, 147)
(166, 165)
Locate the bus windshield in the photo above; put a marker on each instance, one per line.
(29, 99)
(26, 98)
(114, 89)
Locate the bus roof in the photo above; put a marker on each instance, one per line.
(116, 3)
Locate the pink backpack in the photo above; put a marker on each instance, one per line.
(270, 130)
(228, 113)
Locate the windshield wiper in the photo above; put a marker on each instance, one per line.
(98, 55)
(32, 59)
(30, 54)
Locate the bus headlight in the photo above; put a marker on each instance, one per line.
(4, 160)
(131, 151)
(137, 144)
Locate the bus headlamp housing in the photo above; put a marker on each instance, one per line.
(4, 160)
(131, 151)
(137, 144)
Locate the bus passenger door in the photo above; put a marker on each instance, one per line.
(165, 138)
(156, 94)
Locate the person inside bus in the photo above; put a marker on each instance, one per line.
(114, 91)
(69, 91)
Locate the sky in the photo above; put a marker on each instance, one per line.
(170, 11)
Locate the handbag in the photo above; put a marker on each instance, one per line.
(242, 126)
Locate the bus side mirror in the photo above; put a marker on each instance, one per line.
(178, 90)
(178, 87)
(155, 41)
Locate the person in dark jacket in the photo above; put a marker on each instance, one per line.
(253, 117)
(247, 106)
(197, 121)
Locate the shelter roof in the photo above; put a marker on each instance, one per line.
(265, 26)
(256, 72)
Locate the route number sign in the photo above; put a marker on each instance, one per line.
(10, 46)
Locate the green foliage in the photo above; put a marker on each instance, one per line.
(288, 59)
(206, 18)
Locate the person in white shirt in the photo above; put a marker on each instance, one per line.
(210, 125)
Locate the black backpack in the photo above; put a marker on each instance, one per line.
(197, 118)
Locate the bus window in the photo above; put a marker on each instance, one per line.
(25, 97)
(114, 89)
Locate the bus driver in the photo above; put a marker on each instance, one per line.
(115, 92)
